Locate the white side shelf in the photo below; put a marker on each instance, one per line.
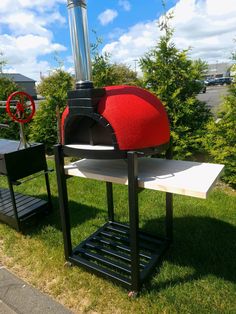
(174, 176)
(90, 147)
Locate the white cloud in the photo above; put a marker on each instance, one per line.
(207, 26)
(125, 5)
(220, 8)
(8, 7)
(107, 16)
(27, 35)
(41, 5)
(24, 51)
(133, 44)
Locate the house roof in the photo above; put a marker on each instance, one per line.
(219, 68)
(17, 77)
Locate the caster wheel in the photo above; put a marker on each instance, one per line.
(132, 294)
(68, 264)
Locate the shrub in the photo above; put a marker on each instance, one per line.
(220, 140)
(43, 128)
(44, 125)
(7, 87)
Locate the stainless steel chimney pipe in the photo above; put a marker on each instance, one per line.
(77, 11)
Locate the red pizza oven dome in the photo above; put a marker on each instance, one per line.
(135, 118)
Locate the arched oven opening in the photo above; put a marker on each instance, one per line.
(89, 130)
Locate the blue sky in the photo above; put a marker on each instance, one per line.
(129, 13)
(32, 32)
(110, 19)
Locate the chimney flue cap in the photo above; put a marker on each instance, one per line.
(76, 3)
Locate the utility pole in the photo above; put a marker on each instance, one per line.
(2, 62)
(135, 65)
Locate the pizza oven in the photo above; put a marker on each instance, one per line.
(115, 122)
(118, 117)
(113, 118)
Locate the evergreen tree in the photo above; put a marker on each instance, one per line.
(172, 76)
(220, 139)
(106, 73)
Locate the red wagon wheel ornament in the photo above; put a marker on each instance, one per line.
(21, 111)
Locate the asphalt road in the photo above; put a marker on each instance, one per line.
(214, 96)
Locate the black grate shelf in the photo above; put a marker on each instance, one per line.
(26, 205)
(107, 252)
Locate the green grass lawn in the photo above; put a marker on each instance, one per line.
(198, 274)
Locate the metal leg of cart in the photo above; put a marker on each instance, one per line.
(63, 200)
(13, 201)
(110, 204)
(134, 220)
(137, 275)
(48, 189)
(169, 217)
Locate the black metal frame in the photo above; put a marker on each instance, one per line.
(120, 252)
(17, 209)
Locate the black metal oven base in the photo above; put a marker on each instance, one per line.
(107, 252)
(26, 206)
(119, 252)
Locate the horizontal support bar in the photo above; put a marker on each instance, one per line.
(103, 260)
(113, 253)
(31, 178)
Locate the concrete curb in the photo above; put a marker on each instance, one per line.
(17, 297)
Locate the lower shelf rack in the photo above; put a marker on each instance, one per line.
(26, 206)
(107, 253)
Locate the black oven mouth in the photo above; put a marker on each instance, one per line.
(89, 129)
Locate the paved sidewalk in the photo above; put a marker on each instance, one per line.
(17, 297)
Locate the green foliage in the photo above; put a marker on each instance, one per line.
(123, 75)
(43, 128)
(12, 132)
(106, 73)
(220, 140)
(101, 70)
(44, 125)
(7, 87)
(55, 88)
(171, 75)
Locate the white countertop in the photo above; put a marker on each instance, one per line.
(173, 176)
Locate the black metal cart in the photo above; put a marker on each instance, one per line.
(124, 123)
(120, 252)
(15, 164)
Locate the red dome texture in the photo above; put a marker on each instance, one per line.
(137, 117)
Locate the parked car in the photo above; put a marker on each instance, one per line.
(225, 80)
(219, 81)
(210, 82)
